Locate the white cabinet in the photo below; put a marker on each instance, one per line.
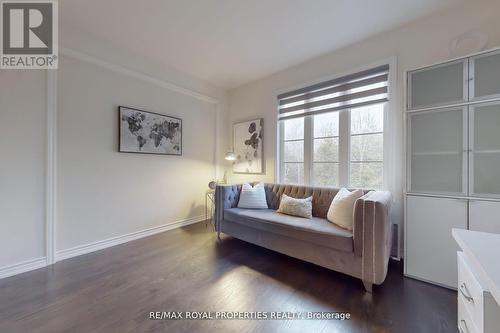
(471, 297)
(437, 151)
(484, 216)
(478, 279)
(484, 150)
(453, 160)
(430, 249)
(465, 322)
(439, 85)
(485, 76)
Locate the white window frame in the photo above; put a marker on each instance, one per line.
(344, 138)
(389, 144)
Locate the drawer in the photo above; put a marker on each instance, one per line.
(470, 292)
(465, 323)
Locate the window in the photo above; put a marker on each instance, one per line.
(325, 162)
(367, 148)
(332, 133)
(293, 151)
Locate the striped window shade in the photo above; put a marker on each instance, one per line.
(351, 91)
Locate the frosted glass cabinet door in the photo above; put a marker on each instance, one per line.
(437, 151)
(485, 76)
(484, 157)
(438, 85)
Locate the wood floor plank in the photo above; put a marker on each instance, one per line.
(186, 269)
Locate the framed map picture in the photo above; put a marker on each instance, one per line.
(248, 146)
(149, 133)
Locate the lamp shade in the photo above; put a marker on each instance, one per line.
(230, 156)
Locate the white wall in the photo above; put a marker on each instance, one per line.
(103, 193)
(418, 44)
(100, 193)
(104, 49)
(22, 166)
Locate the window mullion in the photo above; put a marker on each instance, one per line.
(281, 152)
(308, 149)
(344, 139)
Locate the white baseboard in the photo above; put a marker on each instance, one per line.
(99, 245)
(32, 264)
(22, 267)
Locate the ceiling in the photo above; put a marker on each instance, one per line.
(232, 42)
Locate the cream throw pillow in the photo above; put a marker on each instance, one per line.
(341, 211)
(296, 207)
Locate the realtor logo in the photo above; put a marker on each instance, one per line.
(29, 35)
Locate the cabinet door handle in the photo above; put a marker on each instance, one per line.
(463, 325)
(465, 293)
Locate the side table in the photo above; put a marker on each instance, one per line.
(210, 207)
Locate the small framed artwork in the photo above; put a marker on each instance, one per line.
(149, 133)
(248, 146)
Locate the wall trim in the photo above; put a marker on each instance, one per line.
(52, 255)
(22, 267)
(105, 243)
(51, 167)
(32, 264)
(135, 74)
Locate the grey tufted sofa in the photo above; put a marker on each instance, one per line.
(363, 253)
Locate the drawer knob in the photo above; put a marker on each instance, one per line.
(463, 327)
(465, 293)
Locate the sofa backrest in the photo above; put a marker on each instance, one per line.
(322, 196)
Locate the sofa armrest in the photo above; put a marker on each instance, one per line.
(372, 234)
(226, 196)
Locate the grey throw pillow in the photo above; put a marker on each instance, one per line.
(296, 207)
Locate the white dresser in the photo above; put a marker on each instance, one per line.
(478, 281)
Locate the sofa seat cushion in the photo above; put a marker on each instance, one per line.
(316, 230)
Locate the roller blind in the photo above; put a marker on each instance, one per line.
(350, 91)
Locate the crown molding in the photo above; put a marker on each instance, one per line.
(136, 74)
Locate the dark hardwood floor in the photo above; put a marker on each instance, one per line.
(187, 270)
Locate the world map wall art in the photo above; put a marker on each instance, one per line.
(248, 146)
(149, 133)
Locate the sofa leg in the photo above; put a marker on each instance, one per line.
(368, 286)
(218, 236)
